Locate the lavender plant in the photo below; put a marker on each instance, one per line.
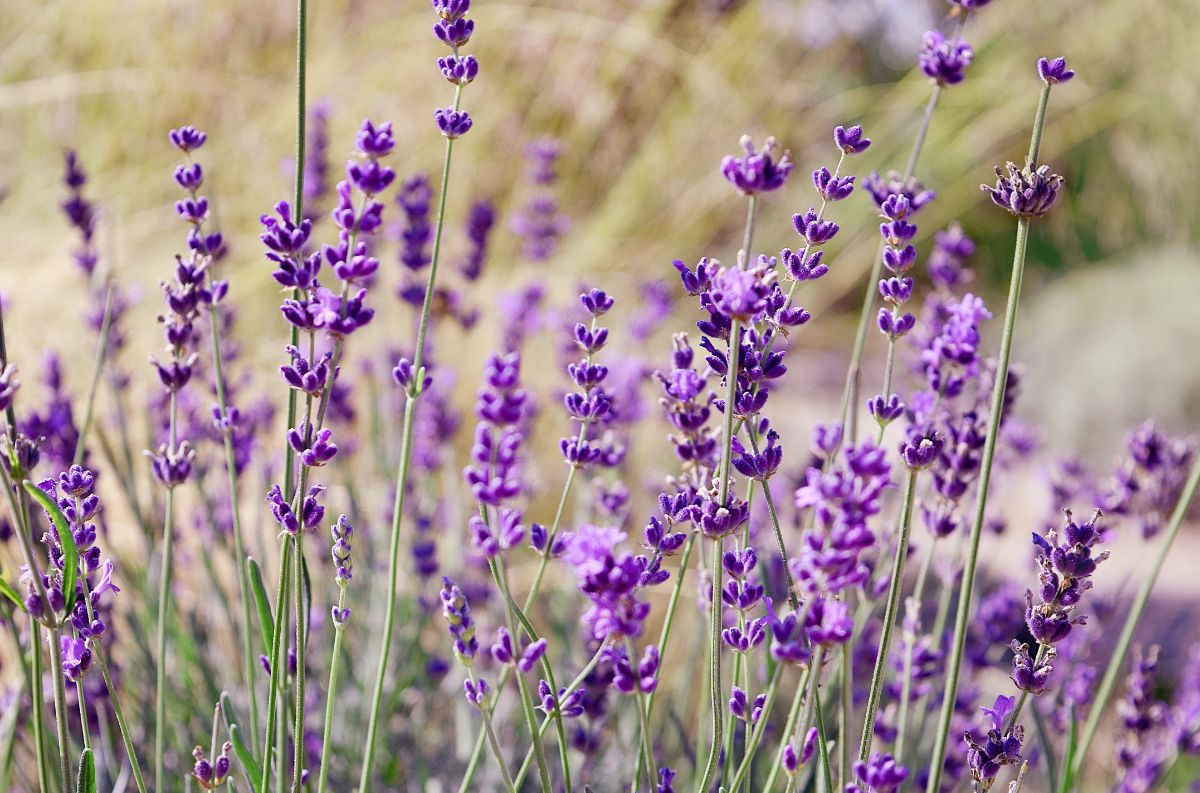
(578, 664)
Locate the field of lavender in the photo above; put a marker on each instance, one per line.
(661, 396)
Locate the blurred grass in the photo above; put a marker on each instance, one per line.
(647, 97)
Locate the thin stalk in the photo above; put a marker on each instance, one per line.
(164, 607)
(101, 351)
(643, 722)
(714, 649)
(114, 700)
(236, 512)
(889, 618)
(668, 623)
(491, 736)
(406, 442)
(789, 729)
(545, 725)
(301, 640)
(783, 554)
(539, 754)
(38, 703)
(985, 474)
(81, 701)
(289, 454)
(822, 741)
(330, 695)
(278, 667)
(846, 706)
(735, 333)
(1108, 682)
(864, 317)
(60, 712)
(905, 690)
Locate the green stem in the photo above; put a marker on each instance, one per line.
(330, 695)
(714, 679)
(889, 618)
(1108, 682)
(539, 755)
(38, 703)
(278, 678)
(301, 640)
(822, 741)
(490, 731)
(780, 546)
(160, 671)
(236, 512)
(643, 722)
(668, 622)
(406, 442)
(60, 711)
(985, 474)
(557, 717)
(788, 731)
(101, 351)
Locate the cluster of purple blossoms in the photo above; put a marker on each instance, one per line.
(898, 256)
(212, 775)
(191, 292)
(758, 170)
(1067, 563)
(590, 406)
(414, 197)
(342, 533)
(494, 474)
(457, 613)
(951, 357)
(480, 220)
(540, 224)
(74, 493)
(321, 313)
(53, 427)
(1026, 192)
(687, 402)
(1142, 716)
(881, 774)
(943, 60)
(793, 760)
(81, 213)
(454, 29)
(316, 159)
(946, 265)
(1148, 481)
(822, 621)
(1000, 746)
(507, 652)
(610, 579)
(843, 500)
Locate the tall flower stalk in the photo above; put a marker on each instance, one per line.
(1027, 193)
(453, 28)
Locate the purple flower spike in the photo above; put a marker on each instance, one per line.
(830, 187)
(944, 61)
(757, 171)
(460, 70)
(76, 657)
(881, 774)
(1025, 192)
(454, 33)
(1055, 71)
(850, 139)
(452, 123)
(187, 139)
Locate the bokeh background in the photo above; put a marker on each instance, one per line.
(646, 97)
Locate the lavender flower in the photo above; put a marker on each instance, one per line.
(757, 171)
(944, 61)
(1000, 747)
(539, 223)
(881, 774)
(480, 219)
(1054, 71)
(1025, 192)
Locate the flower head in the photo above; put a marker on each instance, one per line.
(1025, 192)
(757, 171)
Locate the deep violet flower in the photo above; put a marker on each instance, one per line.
(1001, 746)
(1067, 563)
(881, 774)
(539, 223)
(80, 212)
(1054, 71)
(757, 171)
(453, 123)
(851, 139)
(1025, 192)
(480, 220)
(942, 60)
